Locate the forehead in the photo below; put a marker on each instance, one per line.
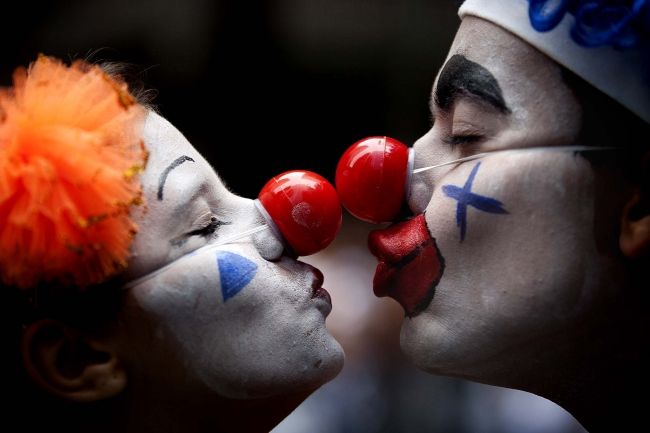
(504, 54)
(173, 157)
(533, 85)
(163, 141)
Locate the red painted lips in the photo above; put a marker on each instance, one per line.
(410, 264)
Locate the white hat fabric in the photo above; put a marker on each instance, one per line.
(623, 73)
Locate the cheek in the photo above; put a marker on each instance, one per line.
(529, 263)
(235, 273)
(194, 311)
(239, 327)
(516, 277)
(183, 301)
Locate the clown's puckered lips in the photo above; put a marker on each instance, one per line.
(410, 265)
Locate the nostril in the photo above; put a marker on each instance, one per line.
(405, 213)
(288, 252)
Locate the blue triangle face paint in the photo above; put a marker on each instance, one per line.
(235, 273)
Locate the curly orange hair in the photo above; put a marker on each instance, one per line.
(70, 154)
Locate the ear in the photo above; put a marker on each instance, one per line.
(70, 364)
(634, 240)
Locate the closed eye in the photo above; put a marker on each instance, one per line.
(460, 139)
(209, 229)
(204, 232)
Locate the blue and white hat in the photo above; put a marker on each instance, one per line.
(606, 42)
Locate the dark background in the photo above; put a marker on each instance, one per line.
(258, 87)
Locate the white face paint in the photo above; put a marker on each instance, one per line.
(519, 282)
(240, 320)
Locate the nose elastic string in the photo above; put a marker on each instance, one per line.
(204, 249)
(517, 150)
(374, 175)
(301, 209)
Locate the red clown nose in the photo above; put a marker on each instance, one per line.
(372, 178)
(303, 210)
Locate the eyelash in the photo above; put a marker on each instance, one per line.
(459, 140)
(209, 229)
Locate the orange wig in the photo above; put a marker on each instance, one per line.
(70, 154)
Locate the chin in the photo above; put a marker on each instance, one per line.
(431, 348)
(335, 361)
(424, 347)
(319, 369)
(306, 373)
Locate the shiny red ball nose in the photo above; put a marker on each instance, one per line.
(303, 208)
(372, 178)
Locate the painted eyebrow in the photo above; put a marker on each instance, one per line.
(163, 176)
(461, 76)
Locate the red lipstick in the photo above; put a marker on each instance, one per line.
(318, 292)
(410, 264)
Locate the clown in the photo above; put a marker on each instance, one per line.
(525, 265)
(131, 312)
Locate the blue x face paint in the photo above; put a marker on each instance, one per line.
(466, 197)
(235, 272)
